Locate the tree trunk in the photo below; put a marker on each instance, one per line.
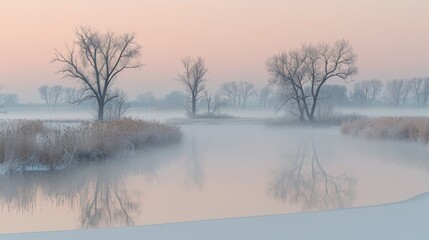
(100, 111)
(313, 110)
(301, 114)
(194, 107)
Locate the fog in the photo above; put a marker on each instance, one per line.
(170, 112)
(219, 170)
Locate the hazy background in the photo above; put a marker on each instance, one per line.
(236, 37)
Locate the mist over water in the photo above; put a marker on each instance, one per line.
(218, 171)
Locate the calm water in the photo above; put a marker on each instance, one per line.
(218, 171)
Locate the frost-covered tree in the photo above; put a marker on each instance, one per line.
(173, 100)
(118, 107)
(96, 60)
(213, 102)
(71, 95)
(264, 95)
(333, 93)
(9, 99)
(246, 90)
(304, 71)
(420, 90)
(397, 91)
(193, 78)
(366, 92)
(231, 91)
(52, 96)
(147, 99)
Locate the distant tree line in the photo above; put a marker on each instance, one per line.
(367, 93)
(9, 99)
(396, 92)
(52, 96)
(235, 95)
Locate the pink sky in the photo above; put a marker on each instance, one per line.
(235, 37)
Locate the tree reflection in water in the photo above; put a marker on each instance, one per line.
(96, 193)
(106, 202)
(195, 173)
(304, 181)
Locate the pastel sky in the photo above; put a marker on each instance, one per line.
(391, 37)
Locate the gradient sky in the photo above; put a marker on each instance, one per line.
(391, 37)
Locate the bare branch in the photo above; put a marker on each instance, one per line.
(103, 56)
(193, 78)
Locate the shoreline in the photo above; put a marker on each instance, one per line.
(400, 220)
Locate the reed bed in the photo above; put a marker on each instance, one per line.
(414, 129)
(26, 144)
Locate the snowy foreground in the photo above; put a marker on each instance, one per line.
(403, 220)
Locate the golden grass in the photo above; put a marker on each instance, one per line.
(390, 128)
(52, 144)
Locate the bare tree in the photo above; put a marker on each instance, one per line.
(247, 90)
(2, 105)
(71, 95)
(57, 92)
(147, 99)
(264, 95)
(397, 91)
(213, 102)
(43, 91)
(287, 71)
(209, 100)
(420, 90)
(9, 99)
(193, 78)
(52, 96)
(287, 99)
(230, 90)
(334, 93)
(325, 62)
(304, 72)
(100, 58)
(366, 92)
(173, 100)
(118, 107)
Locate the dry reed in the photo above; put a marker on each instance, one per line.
(25, 143)
(414, 129)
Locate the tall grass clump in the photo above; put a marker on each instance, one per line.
(34, 143)
(415, 129)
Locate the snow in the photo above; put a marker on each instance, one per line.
(403, 220)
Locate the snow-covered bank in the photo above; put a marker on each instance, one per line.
(403, 220)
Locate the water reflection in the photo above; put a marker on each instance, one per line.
(210, 174)
(106, 202)
(101, 199)
(99, 194)
(305, 182)
(195, 173)
(15, 196)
